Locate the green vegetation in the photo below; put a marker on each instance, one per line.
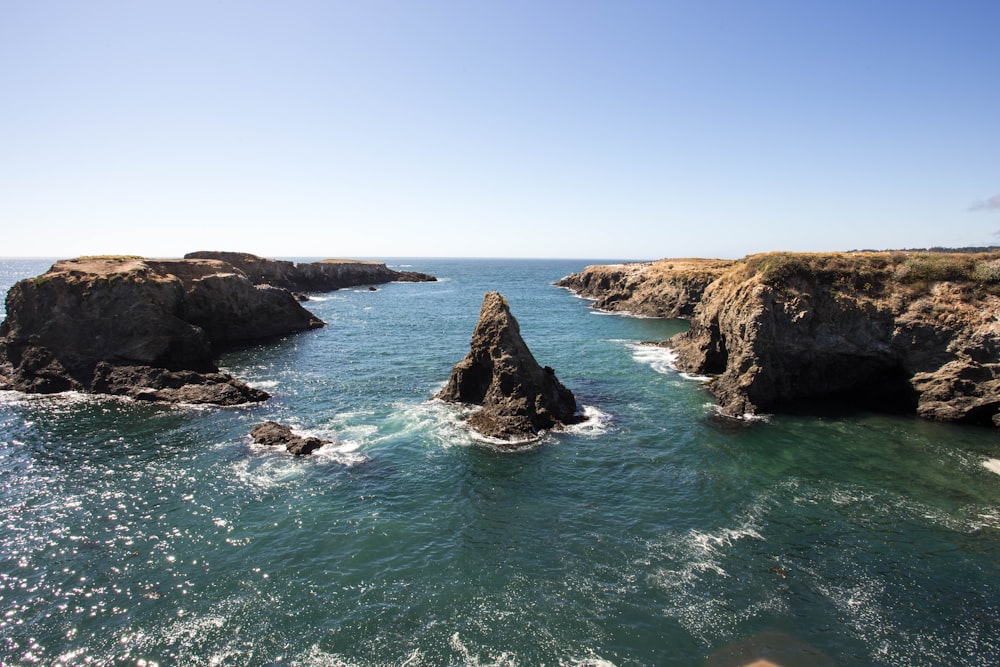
(862, 271)
(865, 271)
(987, 271)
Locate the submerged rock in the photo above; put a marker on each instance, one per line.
(273, 434)
(519, 398)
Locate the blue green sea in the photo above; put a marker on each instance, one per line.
(656, 533)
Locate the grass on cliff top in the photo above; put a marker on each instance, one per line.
(106, 258)
(862, 269)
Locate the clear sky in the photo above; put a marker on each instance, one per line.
(613, 129)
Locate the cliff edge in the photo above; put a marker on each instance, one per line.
(907, 331)
(149, 329)
(665, 288)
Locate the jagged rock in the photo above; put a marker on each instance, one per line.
(274, 434)
(149, 329)
(322, 276)
(519, 398)
(146, 383)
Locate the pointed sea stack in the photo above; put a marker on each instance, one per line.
(519, 397)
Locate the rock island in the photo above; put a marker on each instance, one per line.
(151, 329)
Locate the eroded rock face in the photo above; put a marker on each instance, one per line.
(149, 329)
(850, 327)
(665, 288)
(519, 398)
(323, 276)
(901, 331)
(274, 434)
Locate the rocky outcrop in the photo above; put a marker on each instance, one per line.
(909, 331)
(519, 398)
(274, 434)
(323, 276)
(149, 329)
(665, 288)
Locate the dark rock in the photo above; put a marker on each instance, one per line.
(150, 329)
(146, 383)
(274, 434)
(519, 398)
(322, 276)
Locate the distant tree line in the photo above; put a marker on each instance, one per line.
(967, 249)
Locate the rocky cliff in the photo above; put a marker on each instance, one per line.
(519, 398)
(906, 331)
(666, 288)
(149, 329)
(323, 276)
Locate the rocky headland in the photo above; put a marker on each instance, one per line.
(144, 328)
(519, 398)
(906, 331)
(151, 329)
(322, 276)
(667, 288)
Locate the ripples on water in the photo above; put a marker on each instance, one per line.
(654, 534)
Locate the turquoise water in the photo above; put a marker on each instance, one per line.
(654, 534)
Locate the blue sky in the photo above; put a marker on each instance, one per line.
(584, 129)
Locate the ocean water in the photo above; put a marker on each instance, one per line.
(656, 533)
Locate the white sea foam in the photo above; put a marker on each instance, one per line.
(691, 568)
(271, 467)
(662, 360)
(470, 659)
(993, 465)
(597, 422)
(745, 417)
(265, 384)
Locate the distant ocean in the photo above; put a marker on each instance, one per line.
(656, 533)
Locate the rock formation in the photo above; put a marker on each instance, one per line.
(910, 331)
(149, 329)
(323, 276)
(666, 288)
(519, 398)
(274, 434)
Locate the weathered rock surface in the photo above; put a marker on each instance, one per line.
(519, 398)
(902, 330)
(274, 434)
(665, 288)
(323, 276)
(149, 329)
